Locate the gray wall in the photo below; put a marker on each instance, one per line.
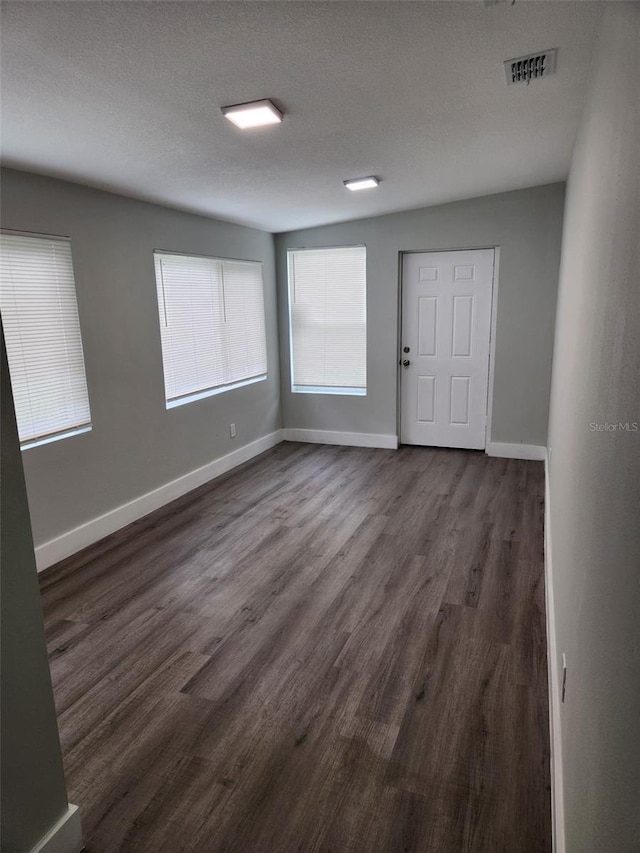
(33, 789)
(527, 225)
(595, 476)
(136, 444)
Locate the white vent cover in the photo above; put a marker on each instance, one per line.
(524, 69)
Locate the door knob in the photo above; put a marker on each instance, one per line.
(406, 362)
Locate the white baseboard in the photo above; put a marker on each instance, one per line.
(65, 836)
(75, 540)
(555, 730)
(349, 439)
(516, 451)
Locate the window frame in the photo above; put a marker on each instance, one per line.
(331, 390)
(80, 429)
(212, 391)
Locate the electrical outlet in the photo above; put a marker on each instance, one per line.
(232, 430)
(564, 675)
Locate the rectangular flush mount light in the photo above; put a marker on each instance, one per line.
(362, 183)
(253, 114)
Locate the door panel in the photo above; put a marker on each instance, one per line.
(426, 399)
(446, 323)
(459, 401)
(462, 326)
(427, 324)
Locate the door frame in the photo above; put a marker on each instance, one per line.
(492, 331)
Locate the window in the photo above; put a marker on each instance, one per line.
(211, 324)
(42, 333)
(328, 320)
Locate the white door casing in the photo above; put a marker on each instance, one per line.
(446, 324)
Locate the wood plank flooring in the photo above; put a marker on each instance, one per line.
(330, 649)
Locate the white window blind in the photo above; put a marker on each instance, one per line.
(328, 317)
(211, 324)
(42, 333)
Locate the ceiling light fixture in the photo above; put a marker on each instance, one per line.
(362, 183)
(253, 114)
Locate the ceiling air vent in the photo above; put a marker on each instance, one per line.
(524, 69)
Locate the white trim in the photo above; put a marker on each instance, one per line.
(65, 836)
(348, 439)
(212, 392)
(492, 342)
(38, 442)
(555, 727)
(329, 389)
(72, 541)
(516, 451)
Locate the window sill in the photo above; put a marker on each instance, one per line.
(212, 392)
(38, 442)
(319, 389)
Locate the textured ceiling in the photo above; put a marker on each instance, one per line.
(126, 96)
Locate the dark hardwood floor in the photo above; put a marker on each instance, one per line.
(330, 649)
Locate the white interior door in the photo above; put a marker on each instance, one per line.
(446, 328)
